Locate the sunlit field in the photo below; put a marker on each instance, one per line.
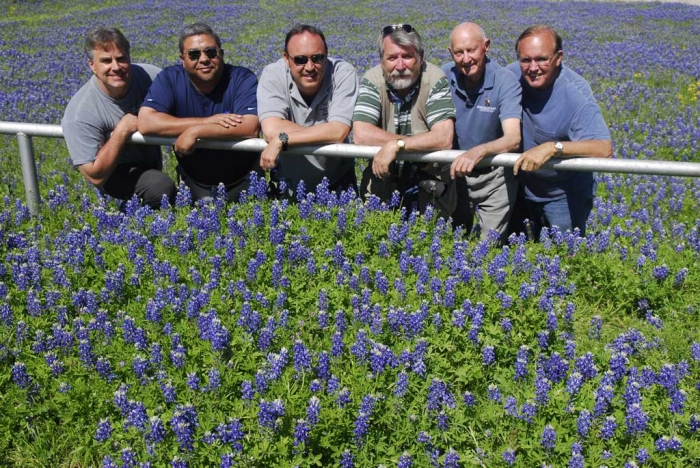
(331, 332)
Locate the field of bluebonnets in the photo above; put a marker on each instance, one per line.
(335, 333)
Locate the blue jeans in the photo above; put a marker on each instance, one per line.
(566, 213)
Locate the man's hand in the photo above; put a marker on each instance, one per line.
(270, 155)
(385, 156)
(465, 163)
(532, 159)
(225, 120)
(185, 143)
(127, 125)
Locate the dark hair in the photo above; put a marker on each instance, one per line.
(103, 38)
(195, 29)
(302, 28)
(403, 39)
(538, 28)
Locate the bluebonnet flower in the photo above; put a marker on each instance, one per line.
(343, 397)
(401, 385)
(666, 443)
(405, 461)
(168, 390)
(549, 437)
(584, 422)
(193, 380)
(694, 423)
(347, 460)
(362, 422)
(156, 430)
(636, 419)
(660, 273)
(506, 325)
(695, 351)
(136, 415)
(607, 430)
(439, 396)
(270, 413)
(128, 458)
(214, 379)
(488, 355)
(302, 357)
(20, 376)
(494, 393)
(104, 430)
(301, 432)
(528, 410)
(521, 361)
(511, 406)
(178, 462)
(573, 383)
(542, 388)
(642, 455)
(468, 399)
(108, 462)
(183, 423)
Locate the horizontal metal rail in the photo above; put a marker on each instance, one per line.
(25, 131)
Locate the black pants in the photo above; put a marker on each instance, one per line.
(200, 191)
(147, 183)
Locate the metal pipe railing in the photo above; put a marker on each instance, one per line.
(24, 132)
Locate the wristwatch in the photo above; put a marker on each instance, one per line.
(284, 138)
(401, 144)
(560, 149)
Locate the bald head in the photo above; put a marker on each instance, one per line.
(471, 30)
(468, 46)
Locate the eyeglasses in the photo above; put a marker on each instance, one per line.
(210, 52)
(540, 61)
(407, 28)
(304, 59)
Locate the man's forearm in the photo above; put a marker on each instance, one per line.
(327, 132)
(249, 128)
(587, 149)
(98, 171)
(152, 122)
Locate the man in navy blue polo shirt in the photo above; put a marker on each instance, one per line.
(204, 98)
(487, 101)
(560, 119)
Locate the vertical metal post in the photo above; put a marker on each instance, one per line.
(31, 182)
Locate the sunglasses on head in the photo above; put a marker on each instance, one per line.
(304, 59)
(395, 27)
(210, 52)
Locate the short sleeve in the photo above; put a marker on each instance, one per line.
(273, 99)
(345, 89)
(439, 106)
(368, 105)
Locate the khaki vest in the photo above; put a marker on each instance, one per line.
(419, 121)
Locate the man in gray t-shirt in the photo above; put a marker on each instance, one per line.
(101, 117)
(307, 98)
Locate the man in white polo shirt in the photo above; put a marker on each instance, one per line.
(306, 98)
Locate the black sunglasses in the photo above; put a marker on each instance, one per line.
(304, 59)
(395, 27)
(210, 52)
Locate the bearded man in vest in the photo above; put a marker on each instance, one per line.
(404, 104)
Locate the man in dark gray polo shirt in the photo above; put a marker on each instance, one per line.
(101, 117)
(306, 98)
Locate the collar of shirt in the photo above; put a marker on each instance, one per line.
(398, 100)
